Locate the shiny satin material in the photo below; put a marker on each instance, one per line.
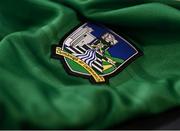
(36, 91)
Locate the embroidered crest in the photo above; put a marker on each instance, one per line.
(95, 52)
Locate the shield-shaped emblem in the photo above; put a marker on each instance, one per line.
(95, 52)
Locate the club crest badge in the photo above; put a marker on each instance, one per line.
(95, 52)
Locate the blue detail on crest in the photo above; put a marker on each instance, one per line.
(121, 50)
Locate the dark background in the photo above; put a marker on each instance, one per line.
(167, 120)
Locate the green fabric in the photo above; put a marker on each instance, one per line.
(35, 90)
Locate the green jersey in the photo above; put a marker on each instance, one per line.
(99, 89)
